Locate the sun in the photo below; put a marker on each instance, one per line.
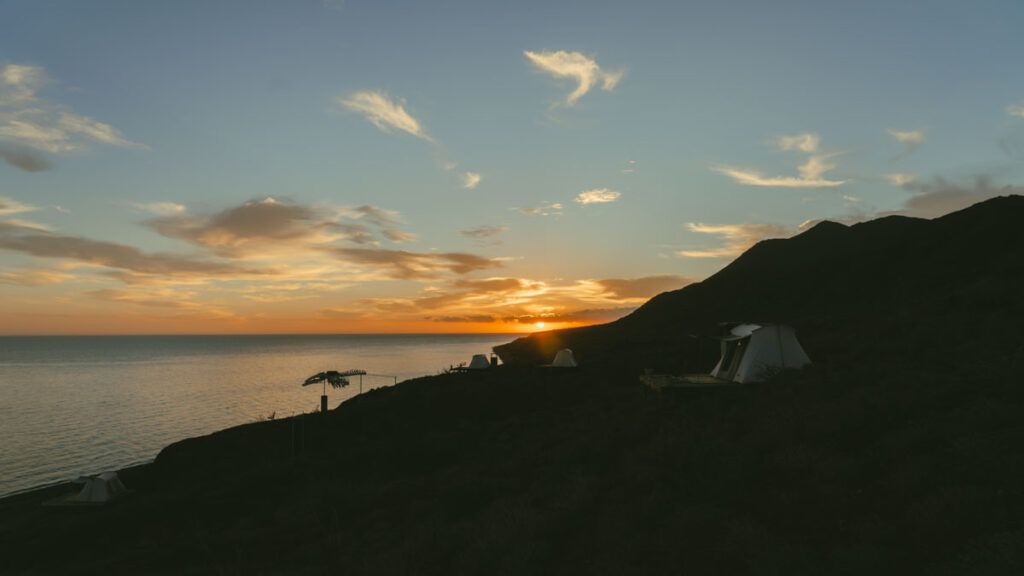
(539, 325)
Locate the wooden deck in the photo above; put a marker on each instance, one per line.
(659, 382)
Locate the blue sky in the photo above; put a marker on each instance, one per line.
(211, 107)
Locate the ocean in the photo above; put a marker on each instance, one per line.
(74, 405)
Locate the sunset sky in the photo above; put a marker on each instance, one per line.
(377, 166)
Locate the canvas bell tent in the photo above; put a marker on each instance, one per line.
(752, 351)
(98, 489)
(564, 359)
(479, 362)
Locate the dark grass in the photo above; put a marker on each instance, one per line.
(534, 471)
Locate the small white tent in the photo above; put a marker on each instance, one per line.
(99, 489)
(564, 359)
(753, 350)
(479, 362)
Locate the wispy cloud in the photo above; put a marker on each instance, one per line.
(545, 209)
(931, 198)
(486, 235)
(253, 226)
(576, 66)
(811, 171)
(10, 206)
(271, 225)
(806, 142)
(486, 231)
(597, 196)
(899, 178)
(470, 180)
(939, 196)
(373, 214)
(736, 238)
(29, 121)
(911, 139)
(1015, 110)
(181, 302)
(907, 136)
(390, 115)
(19, 83)
(755, 178)
(398, 236)
(34, 242)
(159, 208)
(409, 265)
(527, 301)
(643, 287)
(24, 158)
(385, 113)
(34, 277)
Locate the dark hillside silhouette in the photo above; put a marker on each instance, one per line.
(948, 290)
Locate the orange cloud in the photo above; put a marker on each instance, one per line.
(415, 265)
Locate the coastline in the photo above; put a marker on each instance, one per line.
(129, 397)
(542, 470)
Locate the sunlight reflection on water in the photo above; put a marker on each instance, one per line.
(73, 405)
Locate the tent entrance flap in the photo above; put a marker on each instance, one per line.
(732, 355)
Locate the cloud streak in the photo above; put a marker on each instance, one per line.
(898, 178)
(159, 208)
(24, 158)
(482, 232)
(811, 172)
(407, 265)
(597, 196)
(939, 196)
(643, 287)
(252, 226)
(545, 209)
(806, 142)
(10, 206)
(26, 240)
(911, 139)
(470, 180)
(259, 227)
(29, 121)
(389, 115)
(575, 66)
(525, 301)
(736, 238)
(386, 114)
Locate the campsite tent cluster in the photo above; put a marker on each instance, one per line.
(749, 353)
(563, 359)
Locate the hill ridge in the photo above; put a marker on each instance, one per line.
(831, 281)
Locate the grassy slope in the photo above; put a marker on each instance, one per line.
(838, 469)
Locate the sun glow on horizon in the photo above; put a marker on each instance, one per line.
(539, 325)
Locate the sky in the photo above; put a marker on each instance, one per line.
(375, 166)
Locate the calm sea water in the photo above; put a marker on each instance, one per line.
(72, 405)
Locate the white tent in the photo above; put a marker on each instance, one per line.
(99, 489)
(564, 359)
(751, 351)
(479, 362)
